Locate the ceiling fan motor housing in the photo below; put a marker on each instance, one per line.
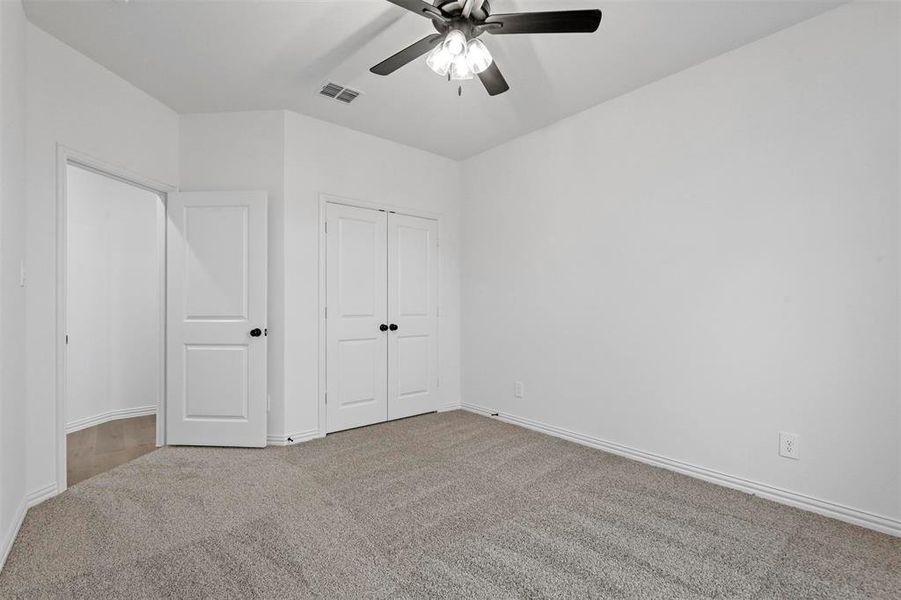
(454, 12)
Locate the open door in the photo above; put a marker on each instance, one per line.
(216, 319)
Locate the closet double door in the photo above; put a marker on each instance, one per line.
(381, 316)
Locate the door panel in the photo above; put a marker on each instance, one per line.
(216, 382)
(413, 307)
(413, 364)
(357, 287)
(412, 270)
(356, 301)
(216, 285)
(216, 294)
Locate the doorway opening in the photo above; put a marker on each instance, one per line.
(113, 313)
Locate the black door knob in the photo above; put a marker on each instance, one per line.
(256, 332)
(383, 327)
(393, 327)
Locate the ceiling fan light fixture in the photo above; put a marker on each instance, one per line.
(477, 56)
(456, 21)
(439, 60)
(459, 69)
(455, 43)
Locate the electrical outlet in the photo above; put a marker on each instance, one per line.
(517, 389)
(789, 445)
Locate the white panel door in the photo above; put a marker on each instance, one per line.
(413, 316)
(216, 319)
(356, 311)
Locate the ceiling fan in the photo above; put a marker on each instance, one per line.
(456, 52)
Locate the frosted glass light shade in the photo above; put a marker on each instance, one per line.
(459, 69)
(439, 60)
(477, 56)
(455, 42)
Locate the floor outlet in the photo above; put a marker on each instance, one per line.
(789, 445)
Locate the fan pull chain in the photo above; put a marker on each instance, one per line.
(459, 88)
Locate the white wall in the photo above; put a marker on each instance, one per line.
(246, 151)
(691, 268)
(324, 158)
(12, 251)
(114, 303)
(295, 158)
(77, 103)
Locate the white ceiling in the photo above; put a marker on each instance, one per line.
(207, 56)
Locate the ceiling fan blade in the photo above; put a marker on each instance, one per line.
(493, 80)
(566, 21)
(420, 8)
(408, 54)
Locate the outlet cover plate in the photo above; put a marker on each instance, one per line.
(789, 445)
(517, 389)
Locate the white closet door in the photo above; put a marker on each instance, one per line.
(216, 312)
(413, 309)
(356, 305)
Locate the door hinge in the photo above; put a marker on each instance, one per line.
(67, 339)
(326, 397)
(326, 227)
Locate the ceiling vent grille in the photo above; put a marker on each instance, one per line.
(339, 93)
(347, 96)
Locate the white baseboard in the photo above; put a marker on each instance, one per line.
(449, 407)
(112, 415)
(293, 438)
(809, 503)
(31, 499)
(9, 536)
(37, 496)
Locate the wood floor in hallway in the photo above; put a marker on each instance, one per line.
(97, 449)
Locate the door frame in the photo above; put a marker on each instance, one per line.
(66, 156)
(324, 200)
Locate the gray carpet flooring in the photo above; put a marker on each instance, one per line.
(442, 506)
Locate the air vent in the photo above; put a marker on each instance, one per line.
(347, 96)
(339, 93)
